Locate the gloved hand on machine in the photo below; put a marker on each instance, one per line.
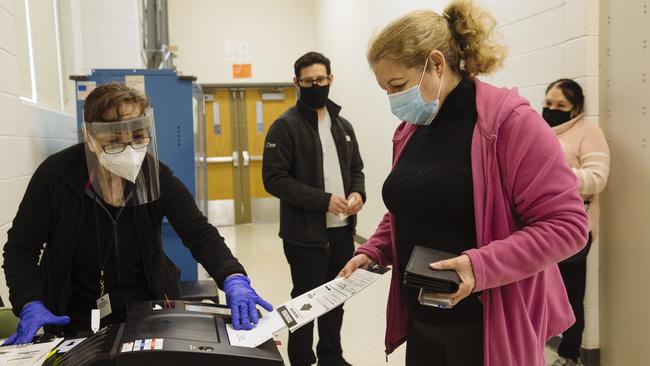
(33, 316)
(240, 296)
(243, 301)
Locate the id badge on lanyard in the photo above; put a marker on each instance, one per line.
(104, 300)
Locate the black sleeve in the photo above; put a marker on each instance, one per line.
(29, 232)
(276, 172)
(357, 181)
(208, 247)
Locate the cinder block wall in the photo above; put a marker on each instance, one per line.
(549, 40)
(29, 131)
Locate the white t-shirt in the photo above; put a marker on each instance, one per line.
(331, 168)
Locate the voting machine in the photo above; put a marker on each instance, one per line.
(169, 333)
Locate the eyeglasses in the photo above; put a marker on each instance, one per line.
(320, 81)
(116, 148)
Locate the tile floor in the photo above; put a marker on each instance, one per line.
(260, 250)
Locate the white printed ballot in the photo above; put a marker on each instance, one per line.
(305, 308)
(311, 305)
(269, 326)
(31, 354)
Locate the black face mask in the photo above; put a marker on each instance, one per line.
(315, 97)
(555, 117)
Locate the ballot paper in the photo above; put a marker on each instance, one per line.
(33, 354)
(305, 308)
(311, 305)
(267, 327)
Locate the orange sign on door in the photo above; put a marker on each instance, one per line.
(242, 71)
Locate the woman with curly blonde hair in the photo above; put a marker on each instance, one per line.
(479, 174)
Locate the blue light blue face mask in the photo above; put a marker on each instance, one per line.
(409, 106)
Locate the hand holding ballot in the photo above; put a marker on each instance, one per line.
(358, 261)
(312, 304)
(306, 308)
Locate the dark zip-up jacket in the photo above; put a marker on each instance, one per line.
(292, 170)
(49, 220)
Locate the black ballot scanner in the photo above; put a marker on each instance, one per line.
(158, 333)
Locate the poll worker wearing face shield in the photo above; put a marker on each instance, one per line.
(87, 234)
(476, 173)
(313, 165)
(587, 153)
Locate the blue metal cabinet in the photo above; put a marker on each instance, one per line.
(180, 130)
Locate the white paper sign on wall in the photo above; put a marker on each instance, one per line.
(236, 51)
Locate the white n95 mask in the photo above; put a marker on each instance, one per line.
(126, 164)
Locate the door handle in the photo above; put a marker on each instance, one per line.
(235, 159)
(246, 157)
(219, 159)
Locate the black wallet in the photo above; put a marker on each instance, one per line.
(418, 273)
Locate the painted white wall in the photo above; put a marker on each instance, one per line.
(29, 131)
(277, 32)
(550, 40)
(33, 129)
(547, 40)
(72, 49)
(344, 31)
(111, 34)
(98, 34)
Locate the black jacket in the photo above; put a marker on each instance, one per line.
(293, 171)
(50, 215)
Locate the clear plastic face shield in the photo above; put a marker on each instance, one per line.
(122, 159)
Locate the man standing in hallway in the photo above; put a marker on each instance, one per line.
(312, 164)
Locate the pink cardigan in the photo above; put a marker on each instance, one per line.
(529, 216)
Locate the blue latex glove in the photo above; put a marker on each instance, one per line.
(243, 301)
(33, 316)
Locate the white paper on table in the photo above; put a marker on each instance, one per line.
(269, 326)
(32, 354)
(313, 304)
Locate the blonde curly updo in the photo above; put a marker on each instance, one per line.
(463, 33)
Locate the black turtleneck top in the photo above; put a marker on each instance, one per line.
(430, 194)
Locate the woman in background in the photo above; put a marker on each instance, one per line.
(586, 151)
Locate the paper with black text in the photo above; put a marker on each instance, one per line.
(313, 304)
(31, 354)
(267, 327)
